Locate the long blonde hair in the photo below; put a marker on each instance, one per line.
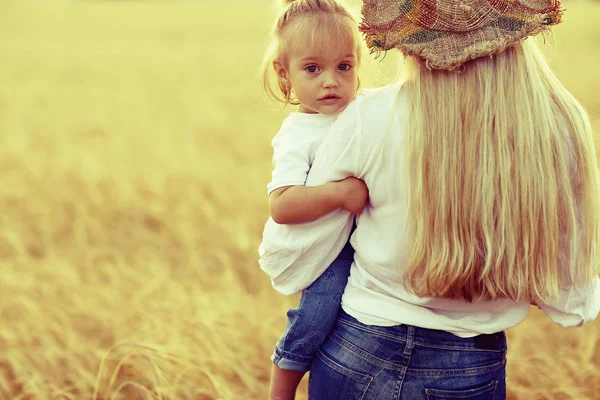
(504, 195)
(306, 23)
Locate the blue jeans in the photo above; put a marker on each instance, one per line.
(359, 361)
(310, 323)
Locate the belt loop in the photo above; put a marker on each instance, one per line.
(410, 340)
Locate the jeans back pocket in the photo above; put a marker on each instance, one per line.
(486, 392)
(330, 380)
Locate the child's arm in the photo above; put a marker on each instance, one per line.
(300, 204)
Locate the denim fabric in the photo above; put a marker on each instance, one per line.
(309, 324)
(358, 361)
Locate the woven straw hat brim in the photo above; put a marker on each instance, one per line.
(450, 48)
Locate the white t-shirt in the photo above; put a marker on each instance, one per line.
(363, 142)
(294, 148)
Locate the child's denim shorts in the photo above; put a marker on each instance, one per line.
(310, 323)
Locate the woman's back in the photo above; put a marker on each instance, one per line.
(497, 190)
(376, 294)
(492, 154)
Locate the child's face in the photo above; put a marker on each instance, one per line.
(324, 80)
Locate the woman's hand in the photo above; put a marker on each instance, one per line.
(353, 194)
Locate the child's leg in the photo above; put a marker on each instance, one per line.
(284, 383)
(308, 326)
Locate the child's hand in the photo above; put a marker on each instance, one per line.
(354, 194)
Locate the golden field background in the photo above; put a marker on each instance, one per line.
(134, 157)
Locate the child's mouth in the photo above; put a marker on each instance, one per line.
(329, 99)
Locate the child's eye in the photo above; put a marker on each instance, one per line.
(345, 67)
(312, 69)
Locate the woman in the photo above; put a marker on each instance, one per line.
(484, 198)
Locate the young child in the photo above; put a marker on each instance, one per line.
(314, 58)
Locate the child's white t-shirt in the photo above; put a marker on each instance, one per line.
(294, 147)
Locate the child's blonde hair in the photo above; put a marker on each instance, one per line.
(504, 196)
(305, 23)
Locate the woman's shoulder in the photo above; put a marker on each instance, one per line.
(374, 107)
(378, 104)
(382, 93)
(367, 119)
(371, 100)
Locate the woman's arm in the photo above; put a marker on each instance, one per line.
(301, 204)
(575, 306)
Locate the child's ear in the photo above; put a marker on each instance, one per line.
(281, 72)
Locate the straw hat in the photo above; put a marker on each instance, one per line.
(448, 33)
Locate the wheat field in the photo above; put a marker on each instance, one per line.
(134, 157)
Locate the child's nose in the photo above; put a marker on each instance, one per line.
(329, 80)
